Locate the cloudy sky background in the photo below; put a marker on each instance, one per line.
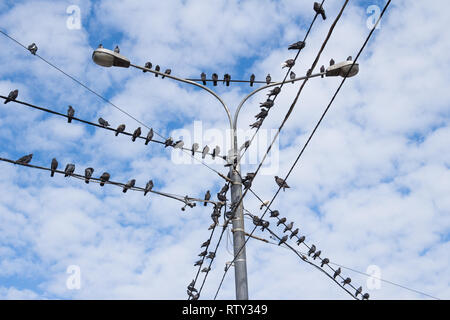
(371, 189)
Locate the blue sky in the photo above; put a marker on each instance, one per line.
(372, 188)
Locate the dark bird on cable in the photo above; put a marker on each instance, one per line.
(346, 281)
(268, 78)
(207, 197)
(25, 159)
(179, 144)
(136, 133)
(245, 145)
(130, 184)
(224, 189)
(257, 124)
(168, 71)
(283, 240)
(120, 129)
(191, 287)
(281, 221)
(221, 197)
(300, 240)
(103, 122)
(157, 68)
(274, 91)
(104, 178)
(211, 255)
(267, 104)
(206, 269)
(324, 262)
(294, 233)
(148, 187)
(203, 253)
(205, 152)
(299, 45)
(288, 63)
(147, 65)
(149, 136)
(292, 76)
(274, 213)
(216, 152)
(247, 184)
(358, 291)
(250, 176)
(262, 114)
(365, 296)
(198, 263)
(12, 96)
(194, 148)
(70, 114)
(349, 58)
(117, 49)
(206, 243)
(100, 45)
(289, 227)
(336, 273)
(252, 80)
(265, 225)
(70, 168)
(319, 10)
(312, 250)
(322, 70)
(264, 204)
(88, 174)
(317, 254)
(203, 77)
(168, 143)
(33, 48)
(226, 79)
(332, 62)
(53, 166)
(215, 78)
(281, 183)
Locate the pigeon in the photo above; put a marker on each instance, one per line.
(148, 65)
(283, 240)
(247, 184)
(294, 233)
(300, 240)
(289, 227)
(194, 148)
(216, 152)
(70, 114)
(211, 255)
(88, 174)
(252, 80)
(148, 187)
(191, 286)
(267, 104)
(282, 220)
(130, 184)
(292, 76)
(245, 145)
(53, 166)
(257, 124)
(205, 152)
(349, 58)
(104, 178)
(70, 168)
(274, 91)
(226, 79)
(149, 136)
(324, 262)
(136, 133)
(281, 183)
(33, 48)
(317, 254)
(215, 77)
(262, 114)
(264, 204)
(346, 281)
(103, 122)
(117, 49)
(120, 129)
(322, 70)
(312, 250)
(25, 159)
(168, 71)
(12, 96)
(288, 63)
(268, 78)
(205, 244)
(168, 142)
(365, 296)
(332, 62)
(157, 68)
(274, 213)
(358, 291)
(319, 10)
(179, 144)
(198, 263)
(224, 189)
(206, 269)
(336, 273)
(265, 225)
(207, 197)
(299, 45)
(203, 77)
(203, 253)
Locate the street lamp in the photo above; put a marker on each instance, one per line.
(108, 58)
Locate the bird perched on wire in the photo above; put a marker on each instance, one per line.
(120, 129)
(215, 152)
(117, 49)
(205, 244)
(289, 227)
(203, 253)
(149, 136)
(268, 78)
(262, 114)
(322, 70)
(168, 71)
(211, 255)
(337, 272)
(168, 142)
(346, 281)
(70, 168)
(103, 122)
(288, 63)
(324, 262)
(365, 296)
(332, 62)
(283, 240)
(317, 254)
(12, 96)
(358, 291)
(136, 133)
(179, 144)
(157, 68)
(215, 78)
(88, 174)
(312, 250)
(257, 124)
(130, 184)
(198, 263)
(224, 189)
(294, 233)
(70, 114)
(274, 213)
(292, 76)
(203, 77)
(264, 204)
(53, 167)
(281, 183)
(207, 197)
(319, 10)
(33, 48)
(148, 187)
(252, 80)
(25, 159)
(349, 58)
(194, 148)
(205, 152)
(191, 286)
(104, 178)
(249, 176)
(281, 221)
(206, 269)
(267, 104)
(148, 65)
(300, 240)
(275, 91)
(299, 45)
(226, 79)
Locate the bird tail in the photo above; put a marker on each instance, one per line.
(133, 139)
(205, 204)
(52, 174)
(69, 120)
(86, 180)
(145, 193)
(124, 190)
(117, 133)
(6, 101)
(102, 184)
(66, 175)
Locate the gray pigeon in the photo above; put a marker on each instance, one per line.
(365, 296)
(12, 96)
(349, 58)
(268, 78)
(283, 240)
(226, 79)
(281, 183)
(224, 189)
(288, 63)
(205, 244)
(299, 45)
(312, 250)
(33, 48)
(319, 10)
(274, 91)
(206, 269)
(211, 255)
(289, 227)
(292, 76)
(324, 262)
(294, 233)
(88, 174)
(322, 70)
(300, 240)
(103, 122)
(215, 152)
(168, 71)
(267, 104)
(168, 142)
(25, 159)
(203, 77)
(104, 178)
(358, 291)
(207, 197)
(136, 133)
(215, 78)
(117, 49)
(203, 253)
(274, 213)
(257, 124)
(148, 187)
(205, 152)
(346, 281)
(130, 184)
(332, 62)
(147, 65)
(263, 113)
(149, 136)
(179, 144)
(336, 273)
(120, 129)
(157, 68)
(53, 167)
(317, 254)
(191, 286)
(70, 114)
(198, 263)
(70, 169)
(194, 148)
(281, 221)
(252, 80)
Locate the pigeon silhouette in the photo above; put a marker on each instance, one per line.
(324, 262)
(70, 114)
(300, 240)
(257, 124)
(252, 80)
(136, 133)
(299, 45)
(268, 78)
(70, 169)
(207, 197)
(274, 91)
(149, 136)
(157, 68)
(103, 122)
(25, 159)
(148, 187)
(319, 10)
(120, 129)
(12, 96)
(292, 76)
(194, 148)
(267, 104)
(312, 250)
(88, 174)
(336, 273)
(53, 167)
(283, 240)
(205, 152)
(147, 65)
(104, 178)
(33, 48)
(168, 71)
(288, 63)
(130, 184)
(281, 183)
(203, 77)
(215, 78)
(117, 49)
